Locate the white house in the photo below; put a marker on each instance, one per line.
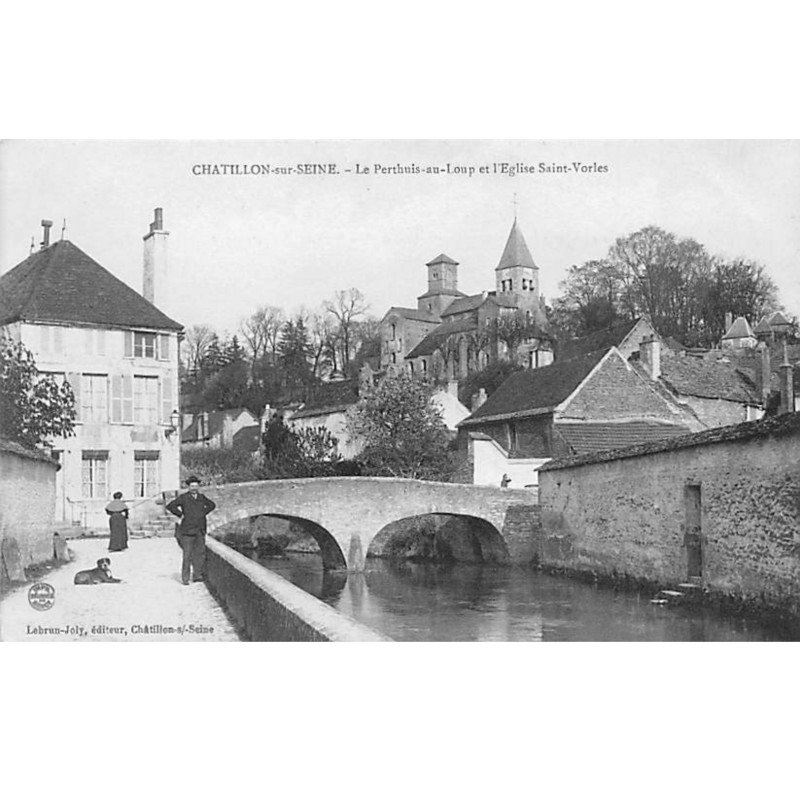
(119, 353)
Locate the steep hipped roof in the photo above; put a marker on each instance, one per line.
(516, 253)
(63, 284)
(612, 336)
(589, 437)
(700, 377)
(438, 335)
(778, 318)
(763, 326)
(535, 390)
(411, 313)
(740, 329)
(441, 259)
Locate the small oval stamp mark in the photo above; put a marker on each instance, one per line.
(42, 596)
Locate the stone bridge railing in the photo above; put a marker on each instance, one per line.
(345, 514)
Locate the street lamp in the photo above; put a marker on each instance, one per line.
(175, 424)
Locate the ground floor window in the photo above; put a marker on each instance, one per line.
(94, 475)
(146, 478)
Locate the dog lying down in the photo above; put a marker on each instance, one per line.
(100, 574)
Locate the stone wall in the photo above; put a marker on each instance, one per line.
(268, 608)
(627, 512)
(27, 503)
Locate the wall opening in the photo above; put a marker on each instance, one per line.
(440, 538)
(693, 536)
(276, 535)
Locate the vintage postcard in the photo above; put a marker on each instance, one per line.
(395, 390)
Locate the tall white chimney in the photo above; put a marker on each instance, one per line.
(650, 356)
(155, 278)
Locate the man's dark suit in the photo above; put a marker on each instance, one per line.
(191, 531)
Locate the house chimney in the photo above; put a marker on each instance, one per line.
(478, 399)
(155, 283)
(46, 225)
(787, 384)
(763, 373)
(650, 356)
(728, 320)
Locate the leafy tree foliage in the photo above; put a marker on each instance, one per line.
(305, 453)
(489, 378)
(34, 409)
(403, 433)
(684, 290)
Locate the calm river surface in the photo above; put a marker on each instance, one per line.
(426, 602)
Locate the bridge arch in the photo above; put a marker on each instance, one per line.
(329, 549)
(442, 536)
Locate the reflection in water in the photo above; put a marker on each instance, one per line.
(482, 602)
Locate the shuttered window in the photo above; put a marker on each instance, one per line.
(163, 349)
(167, 398)
(127, 398)
(74, 380)
(128, 344)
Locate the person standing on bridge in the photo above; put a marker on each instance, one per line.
(192, 508)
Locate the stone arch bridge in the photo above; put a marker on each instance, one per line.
(345, 515)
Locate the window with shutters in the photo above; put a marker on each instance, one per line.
(94, 398)
(144, 345)
(145, 474)
(145, 400)
(94, 474)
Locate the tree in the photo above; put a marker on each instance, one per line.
(34, 409)
(402, 431)
(194, 346)
(293, 356)
(305, 453)
(261, 332)
(346, 306)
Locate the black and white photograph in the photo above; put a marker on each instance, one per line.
(395, 390)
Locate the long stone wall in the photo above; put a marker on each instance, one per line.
(268, 608)
(27, 504)
(629, 512)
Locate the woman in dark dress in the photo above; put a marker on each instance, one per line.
(118, 522)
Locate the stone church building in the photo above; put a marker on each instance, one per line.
(450, 335)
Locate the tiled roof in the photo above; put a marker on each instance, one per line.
(536, 389)
(590, 437)
(778, 318)
(700, 377)
(462, 304)
(441, 259)
(62, 284)
(516, 253)
(763, 326)
(411, 313)
(740, 329)
(247, 438)
(438, 292)
(783, 425)
(215, 424)
(439, 334)
(329, 398)
(612, 336)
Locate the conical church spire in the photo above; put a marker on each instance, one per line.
(516, 253)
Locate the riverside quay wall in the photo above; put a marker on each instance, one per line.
(720, 507)
(268, 608)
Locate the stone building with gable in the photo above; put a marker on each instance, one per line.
(451, 335)
(119, 353)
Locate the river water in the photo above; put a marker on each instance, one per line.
(466, 602)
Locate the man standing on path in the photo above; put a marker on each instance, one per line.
(192, 508)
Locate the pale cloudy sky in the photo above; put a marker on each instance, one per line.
(291, 240)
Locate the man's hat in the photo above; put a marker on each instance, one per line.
(192, 479)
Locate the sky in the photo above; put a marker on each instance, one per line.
(292, 240)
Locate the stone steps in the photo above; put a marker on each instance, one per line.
(684, 593)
